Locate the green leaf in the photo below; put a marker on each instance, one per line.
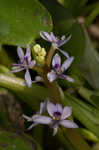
(92, 16)
(89, 63)
(75, 6)
(62, 18)
(88, 135)
(28, 95)
(64, 141)
(21, 21)
(91, 96)
(72, 47)
(86, 114)
(13, 141)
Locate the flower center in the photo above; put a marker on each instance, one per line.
(56, 115)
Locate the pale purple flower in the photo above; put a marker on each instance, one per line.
(58, 116)
(56, 42)
(25, 63)
(43, 108)
(58, 69)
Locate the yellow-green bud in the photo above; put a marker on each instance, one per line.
(43, 52)
(37, 49)
(39, 53)
(40, 59)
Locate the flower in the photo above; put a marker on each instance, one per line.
(56, 42)
(43, 107)
(58, 69)
(58, 116)
(25, 63)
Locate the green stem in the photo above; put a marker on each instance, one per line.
(75, 138)
(50, 55)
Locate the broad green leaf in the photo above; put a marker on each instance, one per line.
(21, 21)
(13, 141)
(62, 18)
(75, 6)
(86, 114)
(89, 63)
(28, 95)
(75, 46)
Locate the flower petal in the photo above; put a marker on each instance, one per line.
(45, 36)
(56, 61)
(59, 108)
(32, 64)
(51, 76)
(55, 130)
(33, 125)
(43, 107)
(28, 78)
(20, 52)
(63, 40)
(16, 69)
(28, 53)
(63, 52)
(67, 111)
(53, 37)
(43, 120)
(67, 63)
(68, 124)
(27, 118)
(51, 108)
(65, 77)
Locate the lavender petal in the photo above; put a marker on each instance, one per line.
(20, 52)
(59, 108)
(68, 124)
(28, 78)
(27, 118)
(45, 36)
(16, 69)
(43, 120)
(55, 130)
(65, 77)
(43, 107)
(28, 53)
(51, 108)
(64, 53)
(56, 60)
(63, 40)
(32, 64)
(67, 111)
(53, 38)
(51, 76)
(67, 63)
(33, 125)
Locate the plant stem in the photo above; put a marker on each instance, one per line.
(50, 55)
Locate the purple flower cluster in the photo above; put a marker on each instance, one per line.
(25, 63)
(57, 116)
